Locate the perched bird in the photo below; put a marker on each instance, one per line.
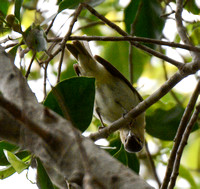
(114, 95)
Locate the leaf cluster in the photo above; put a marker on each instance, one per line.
(141, 18)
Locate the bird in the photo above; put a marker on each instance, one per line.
(114, 94)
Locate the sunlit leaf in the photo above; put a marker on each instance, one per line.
(195, 36)
(6, 172)
(185, 173)
(6, 146)
(17, 164)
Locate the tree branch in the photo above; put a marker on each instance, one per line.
(181, 129)
(140, 108)
(129, 38)
(63, 155)
(183, 143)
(182, 30)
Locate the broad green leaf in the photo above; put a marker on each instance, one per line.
(185, 173)
(146, 16)
(6, 172)
(121, 156)
(77, 96)
(163, 123)
(6, 146)
(43, 180)
(18, 5)
(23, 155)
(4, 7)
(128, 159)
(117, 54)
(17, 163)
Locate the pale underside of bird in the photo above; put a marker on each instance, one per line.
(114, 94)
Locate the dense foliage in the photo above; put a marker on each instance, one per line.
(36, 36)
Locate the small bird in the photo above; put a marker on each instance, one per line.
(114, 94)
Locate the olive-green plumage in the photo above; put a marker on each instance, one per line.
(115, 95)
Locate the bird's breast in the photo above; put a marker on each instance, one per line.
(114, 98)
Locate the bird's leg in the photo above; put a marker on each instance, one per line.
(97, 109)
(124, 109)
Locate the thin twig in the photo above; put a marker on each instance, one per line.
(66, 37)
(166, 78)
(51, 24)
(123, 33)
(60, 65)
(129, 38)
(152, 164)
(11, 45)
(182, 145)
(183, 123)
(29, 67)
(131, 69)
(131, 64)
(181, 29)
(89, 25)
(51, 56)
(45, 81)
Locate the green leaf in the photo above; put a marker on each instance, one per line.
(43, 180)
(77, 96)
(6, 146)
(23, 155)
(117, 54)
(185, 173)
(4, 7)
(17, 163)
(121, 156)
(6, 172)
(192, 7)
(146, 16)
(18, 5)
(195, 35)
(163, 123)
(128, 159)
